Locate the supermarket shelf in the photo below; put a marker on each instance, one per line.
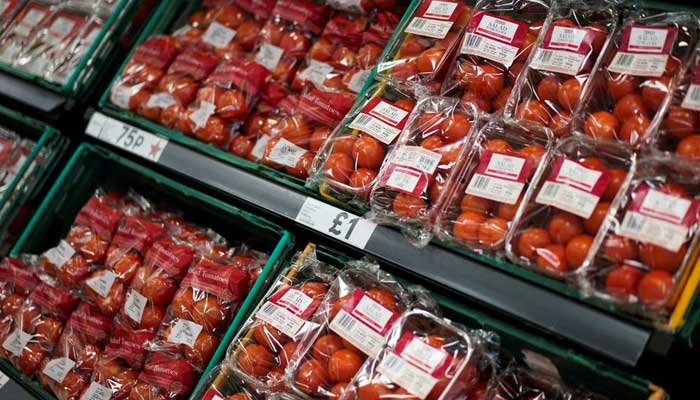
(11, 389)
(28, 94)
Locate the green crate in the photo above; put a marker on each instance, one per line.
(92, 167)
(94, 59)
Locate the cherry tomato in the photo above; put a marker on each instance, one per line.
(488, 81)
(552, 257)
(593, 163)
(318, 137)
(564, 226)
(428, 61)
(405, 71)
(620, 85)
(466, 227)
(500, 101)
(526, 46)
(689, 147)
(455, 127)
(338, 167)
(493, 231)
(533, 151)
(409, 206)
(530, 240)
(255, 360)
(577, 249)
(634, 128)
(621, 282)
(498, 145)
(508, 211)
(362, 178)
(311, 376)
(681, 122)
(368, 152)
(343, 365)
(269, 336)
(659, 258)
(569, 93)
(383, 297)
(628, 106)
(617, 177)
(405, 104)
(514, 71)
(655, 288)
(475, 203)
(654, 92)
(548, 88)
(410, 47)
(344, 144)
(482, 103)
(373, 391)
(533, 110)
(592, 224)
(618, 249)
(602, 125)
(241, 146)
(559, 124)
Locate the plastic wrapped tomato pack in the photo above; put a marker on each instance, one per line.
(354, 322)
(506, 161)
(227, 385)
(287, 36)
(67, 372)
(164, 376)
(303, 118)
(426, 357)
(576, 193)
(428, 40)
(496, 45)
(21, 30)
(642, 256)
(364, 138)
(557, 79)
(17, 280)
(642, 65)
(412, 181)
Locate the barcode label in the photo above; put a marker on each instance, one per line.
(356, 332)
(691, 101)
(96, 392)
(134, 305)
(544, 56)
(58, 368)
(16, 342)
(184, 332)
(559, 61)
(269, 56)
(492, 188)
(218, 35)
(434, 19)
(490, 49)
(281, 318)
(102, 283)
(647, 229)
(403, 179)
(60, 254)
(652, 65)
(417, 157)
(416, 382)
(286, 153)
(429, 27)
(567, 198)
(381, 120)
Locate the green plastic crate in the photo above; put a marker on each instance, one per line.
(92, 167)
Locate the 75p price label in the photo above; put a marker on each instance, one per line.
(336, 223)
(127, 137)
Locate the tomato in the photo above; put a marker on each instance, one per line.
(680, 122)
(337, 390)
(628, 106)
(301, 169)
(675, 189)
(230, 16)
(466, 227)
(341, 303)
(313, 289)
(373, 391)
(450, 154)
(325, 346)
(618, 249)
(475, 203)
(232, 104)
(498, 145)
(593, 163)
(428, 61)
(526, 46)
(634, 128)
(286, 354)
(659, 258)
(343, 58)
(569, 93)
(405, 71)
(577, 249)
(159, 289)
(409, 206)
(530, 240)
(368, 55)
(322, 50)
(240, 396)
(654, 92)
(405, 104)
(311, 376)
(493, 231)
(11, 304)
(74, 271)
(368, 152)
(487, 82)
(48, 331)
(617, 178)
(343, 365)
(296, 130)
(482, 103)
(255, 360)
(344, 144)
(204, 347)
(500, 101)
(600, 33)
(552, 257)
(534, 151)
(560, 123)
(548, 88)
(533, 110)
(294, 42)
(564, 226)
(362, 178)
(435, 190)
(620, 85)
(183, 303)
(455, 127)
(602, 125)
(514, 71)
(592, 224)
(621, 282)
(447, 41)
(215, 131)
(247, 34)
(151, 317)
(241, 146)
(210, 313)
(466, 72)
(383, 297)
(430, 122)
(689, 147)
(338, 167)
(655, 288)
(269, 336)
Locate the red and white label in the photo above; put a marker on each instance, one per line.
(224, 281)
(495, 38)
(176, 376)
(691, 101)
(99, 217)
(14, 271)
(327, 108)
(380, 119)
(60, 254)
(434, 18)
(213, 394)
(16, 342)
(411, 169)
(173, 258)
(218, 35)
(248, 76)
(573, 187)
(58, 368)
(96, 392)
(659, 218)
(137, 234)
(102, 282)
(195, 63)
(288, 310)
(308, 14)
(87, 320)
(644, 50)
(129, 345)
(61, 28)
(157, 51)
(184, 332)
(160, 100)
(54, 300)
(286, 153)
(564, 50)
(269, 56)
(364, 323)
(134, 305)
(500, 177)
(415, 365)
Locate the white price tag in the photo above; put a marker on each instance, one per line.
(356, 332)
(60, 254)
(495, 189)
(16, 341)
(286, 153)
(127, 137)
(184, 332)
(652, 65)
(358, 80)
(202, 114)
(317, 72)
(280, 318)
(399, 371)
(3, 379)
(102, 284)
(567, 198)
(417, 157)
(160, 100)
(691, 101)
(96, 392)
(335, 222)
(269, 56)
(646, 229)
(218, 35)
(134, 305)
(259, 148)
(58, 368)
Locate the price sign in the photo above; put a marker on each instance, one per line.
(127, 137)
(334, 222)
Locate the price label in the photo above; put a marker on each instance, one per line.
(335, 222)
(127, 137)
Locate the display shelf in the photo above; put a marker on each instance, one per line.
(585, 325)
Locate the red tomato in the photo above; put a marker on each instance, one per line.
(338, 167)
(530, 240)
(552, 257)
(232, 104)
(569, 93)
(628, 106)
(204, 347)
(508, 211)
(493, 231)
(343, 58)
(151, 317)
(342, 303)
(247, 34)
(602, 125)
(74, 271)
(210, 313)
(618, 249)
(533, 151)
(577, 249)
(405, 104)
(593, 163)
(241, 146)
(621, 282)
(373, 391)
(482, 103)
(592, 224)
(675, 189)
(269, 336)
(559, 124)
(634, 128)
(662, 259)
(655, 288)
(183, 303)
(11, 304)
(410, 47)
(362, 178)
(322, 50)
(368, 55)
(287, 353)
(487, 82)
(617, 177)
(475, 203)
(313, 289)
(689, 147)
(337, 390)
(255, 360)
(429, 60)
(294, 42)
(383, 297)
(343, 365)
(325, 346)
(466, 227)
(368, 152)
(301, 169)
(681, 122)
(215, 131)
(514, 71)
(564, 226)
(405, 71)
(409, 206)
(548, 88)
(654, 92)
(311, 376)
(620, 85)
(526, 46)
(498, 145)
(600, 33)
(500, 101)
(447, 41)
(344, 144)
(455, 127)
(533, 110)
(159, 289)
(296, 130)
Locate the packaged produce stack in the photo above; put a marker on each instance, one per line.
(131, 304)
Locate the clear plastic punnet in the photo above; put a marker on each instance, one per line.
(494, 186)
(497, 43)
(365, 137)
(226, 384)
(643, 254)
(557, 78)
(642, 65)
(578, 190)
(427, 155)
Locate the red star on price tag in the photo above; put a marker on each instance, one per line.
(155, 149)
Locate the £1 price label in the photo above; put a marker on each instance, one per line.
(334, 222)
(127, 137)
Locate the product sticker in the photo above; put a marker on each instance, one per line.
(411, 169)
(573, 187)
(500, 177)
(59, 29)
(563, 50)
(494, 38)
(134, 305)
(380, 119)
(96, 392)
(434, 18)
(60, 254)
(659, 218)
(288, 310)
(30, 20)
(644, 50)
(324, 107)
(202, 114)
(691, 101)
(121, 94)
(58, 368)
(316, 72)
(16, 342)
(269, 56)
(160, 100)
(358, 79)
(184, 332)
(286, 153)
(259, 148)
(102, 283)
(218, 35)
(364, 323)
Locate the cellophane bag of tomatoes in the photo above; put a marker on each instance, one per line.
(260, 353)
(497, 43)
(301, 118)
(411, 184)
(426, 357)
(558, 77)
(17, 280)
(577, 191)
(643, 63)
(354, 321)
(679, 132)
(361, 141)
(506, 161)
(143, 73)
(428, 40)
(226, 384)
(287, 36)
(21, 30)
(165, 376)
(644, 253)
(68, 370)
